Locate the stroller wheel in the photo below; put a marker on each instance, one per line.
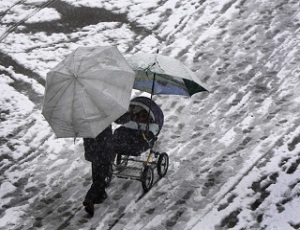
(147, 178)
(162, 164)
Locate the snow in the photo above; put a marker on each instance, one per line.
(234, 152)
(6, 188)
(12, 215)
(46, 14)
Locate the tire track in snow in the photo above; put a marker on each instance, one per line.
(21, 85)
(2, 14)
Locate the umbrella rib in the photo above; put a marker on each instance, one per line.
(90, 98)
(60, 95)
(73, 61)
(107, 95)
(87, 68)
(73, 103)
(54, 94)
(174, 80)
(84, 70)
(58, 71)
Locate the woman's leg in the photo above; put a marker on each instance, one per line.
(96, 194)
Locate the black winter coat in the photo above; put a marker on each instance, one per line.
(100, 149)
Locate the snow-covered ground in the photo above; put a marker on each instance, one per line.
(234, 152)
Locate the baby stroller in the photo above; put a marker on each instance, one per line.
(134, 141)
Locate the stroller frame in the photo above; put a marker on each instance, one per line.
(141, 167)
(141, 170)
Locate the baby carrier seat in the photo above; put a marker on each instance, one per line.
(139, 127)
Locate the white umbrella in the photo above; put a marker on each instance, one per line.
(87, 91)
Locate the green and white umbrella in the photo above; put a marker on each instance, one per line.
(158, 74)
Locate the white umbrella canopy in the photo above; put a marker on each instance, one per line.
(170, 76)
(87, 91)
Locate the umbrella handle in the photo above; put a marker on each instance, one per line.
(152, 92)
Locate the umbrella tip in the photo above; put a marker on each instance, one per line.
(76, 134)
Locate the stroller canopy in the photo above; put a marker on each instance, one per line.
(155, 111)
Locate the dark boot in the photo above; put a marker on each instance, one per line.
(89, 207)
(96, 194)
